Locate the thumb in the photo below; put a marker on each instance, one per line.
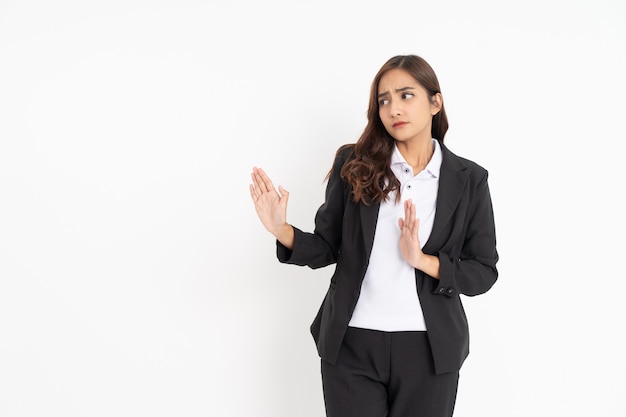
(284, 194)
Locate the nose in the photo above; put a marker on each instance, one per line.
(394, 108)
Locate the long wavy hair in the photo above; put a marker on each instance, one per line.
(368, 171)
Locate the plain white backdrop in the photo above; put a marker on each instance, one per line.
(135, 278)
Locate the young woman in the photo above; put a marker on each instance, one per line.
(410, 228)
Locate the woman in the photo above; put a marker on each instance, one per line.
(410, 227)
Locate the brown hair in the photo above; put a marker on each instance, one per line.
(369, 172)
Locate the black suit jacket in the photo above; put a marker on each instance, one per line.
(463, 237)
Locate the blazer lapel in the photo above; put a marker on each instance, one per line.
(452, 179)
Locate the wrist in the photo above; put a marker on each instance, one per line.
(429, 264)
(285, 235)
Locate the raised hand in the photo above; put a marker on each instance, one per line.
(409, 240)
(271, 206)
(410, 247)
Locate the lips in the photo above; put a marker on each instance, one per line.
(399, 124)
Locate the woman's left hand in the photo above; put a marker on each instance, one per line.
(410, 247)
(409, 240)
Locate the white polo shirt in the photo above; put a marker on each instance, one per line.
(388, 299)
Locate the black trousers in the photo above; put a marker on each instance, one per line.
(387, 374)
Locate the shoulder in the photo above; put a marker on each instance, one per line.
(345, 152)
(459, 163)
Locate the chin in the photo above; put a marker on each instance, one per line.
(403, 138)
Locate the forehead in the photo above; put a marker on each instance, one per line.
(395, 79)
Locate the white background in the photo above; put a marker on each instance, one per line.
(135, 278)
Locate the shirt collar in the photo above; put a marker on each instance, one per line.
(434, 165)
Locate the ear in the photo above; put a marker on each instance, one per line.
(436, 103)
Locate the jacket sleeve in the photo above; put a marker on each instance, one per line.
(321, 248)
(474, 271)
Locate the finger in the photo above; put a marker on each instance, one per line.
(254, 187)
(266, 182)
(253, 193)
(408, 218)
(256, 180)
(284, 195)
(413, 215)
(406, 210)
(402, 222)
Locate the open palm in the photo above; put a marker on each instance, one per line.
(409, 241)
(270, 204)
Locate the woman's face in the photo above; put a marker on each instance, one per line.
(405, 108)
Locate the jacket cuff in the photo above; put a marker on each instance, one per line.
(446, 282)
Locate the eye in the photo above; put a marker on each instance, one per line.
(407, 95)
(383, 101)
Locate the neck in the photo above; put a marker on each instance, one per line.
(418, 154)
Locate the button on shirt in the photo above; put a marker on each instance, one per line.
(388, 299)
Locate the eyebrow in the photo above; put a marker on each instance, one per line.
(399, 90)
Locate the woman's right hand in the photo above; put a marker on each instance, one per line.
(271, 206)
